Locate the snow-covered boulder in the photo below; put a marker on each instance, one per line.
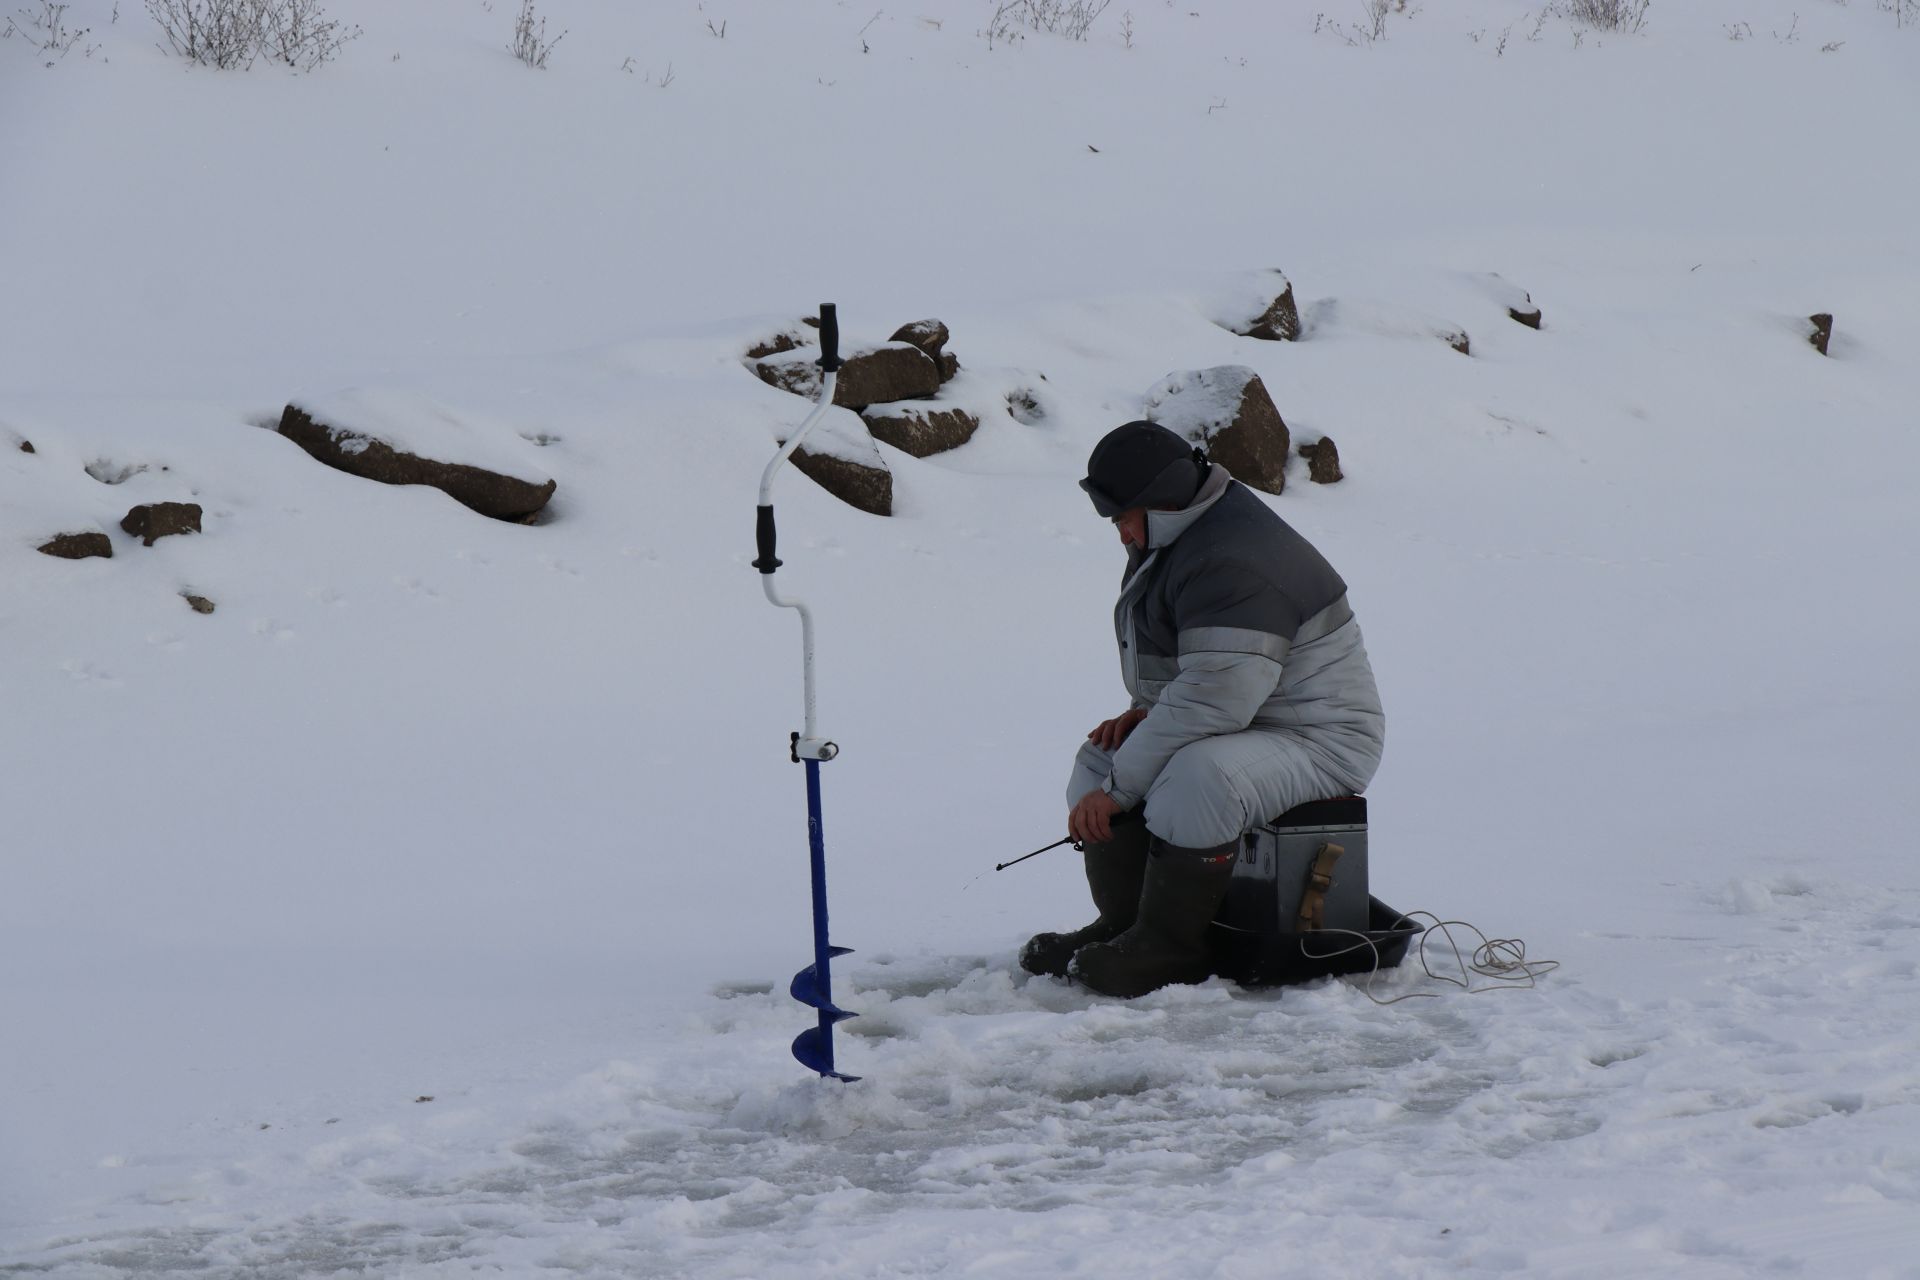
(789, 339)
(870, 489)
(931, 336)
(1517, 301)
(1227, 410)
(1261, 307)
(865, 486)
(1024, 407)
(840, 457)
(869, 376)
(151, 520)
(399, 437)
(78, 546)
(921, 429)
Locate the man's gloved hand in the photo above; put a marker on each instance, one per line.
(1092, 818)
(1109, 734)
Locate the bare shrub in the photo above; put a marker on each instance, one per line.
(300, 34)
(44, 26)
(224, 34)
(230, 34)
(1069, 18)
(1371, 29)
(530, 43)
(1609, 15)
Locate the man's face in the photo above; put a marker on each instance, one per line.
(1132, 524)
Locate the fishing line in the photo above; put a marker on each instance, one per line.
(1500, 964)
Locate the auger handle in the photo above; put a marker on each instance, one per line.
(764, 536)
(829, 337)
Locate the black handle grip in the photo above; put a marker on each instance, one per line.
(763, 536)
(829, 338)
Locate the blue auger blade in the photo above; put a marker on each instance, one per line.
(806, 986)
(814, 1050)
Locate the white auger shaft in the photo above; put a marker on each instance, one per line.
(809, 745)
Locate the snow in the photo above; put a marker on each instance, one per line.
(1240, 301)
(1326, 318)
(1197, 402)
(437, 807)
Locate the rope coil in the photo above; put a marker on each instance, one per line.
(1501, 963)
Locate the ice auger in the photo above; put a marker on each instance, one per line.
(813, 985)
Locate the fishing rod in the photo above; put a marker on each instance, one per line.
(1002, 866)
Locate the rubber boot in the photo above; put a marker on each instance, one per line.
(1167, 942)
(1115, 869)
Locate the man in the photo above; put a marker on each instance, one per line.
(1251, 694)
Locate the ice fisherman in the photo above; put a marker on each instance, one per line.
(1251, 692)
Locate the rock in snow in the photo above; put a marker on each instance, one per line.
(870, 488)
(151, 520)
(839, 455)
(872, 375)
(403, 438)
(931, 336)
(1265, 309)
(1517, 301)
(1822, 331)
(920, 429)
(1323, 461)
(1226, 409)
(779, 342)
(78, 546)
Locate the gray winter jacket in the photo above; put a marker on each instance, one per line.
(1229, 621)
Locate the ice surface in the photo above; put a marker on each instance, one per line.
(1022, 1119)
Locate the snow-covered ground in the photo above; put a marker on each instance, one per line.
(427, 909)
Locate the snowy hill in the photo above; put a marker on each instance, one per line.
(427, 908)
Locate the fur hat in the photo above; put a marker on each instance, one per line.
(1142, 464)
